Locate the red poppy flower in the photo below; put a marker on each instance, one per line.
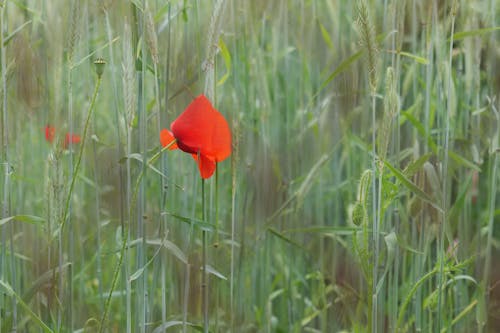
(50, 132)
(73, 138)
(201, 131)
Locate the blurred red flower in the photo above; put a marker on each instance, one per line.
(50, 132)
(73, 138)
(201, 131)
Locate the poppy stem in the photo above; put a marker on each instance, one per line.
(204, 286)
(80, 154)
(216, 206)
(124, 240)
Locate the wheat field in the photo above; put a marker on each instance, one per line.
(357, 191)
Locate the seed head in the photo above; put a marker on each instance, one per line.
(99, 66)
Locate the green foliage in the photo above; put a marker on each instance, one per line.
(360, 196)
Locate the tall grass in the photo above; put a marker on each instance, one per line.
(360, 195)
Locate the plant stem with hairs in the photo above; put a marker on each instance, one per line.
(491, 203)
(80, 154)
(204, 286)
(444, 214)
(368, 41)
(6, 173)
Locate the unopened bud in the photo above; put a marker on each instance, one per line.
(99, 66)
(358, 213)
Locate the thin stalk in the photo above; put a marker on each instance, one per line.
(116, 274)
(124, 247)
(491, 209)
(428, 85)
(72, 175)
(123, 194)
(60, 277)
(80, 154)
(114, 85)
(374, 279)
(143, 290)
(185, 298)
(444, 214)
(73, 27)
(76, 169)
(163, 121)
(129, 86)
(7, 167)
(233, 223)
(98, 230)
(126, 233)
(204, 287)
(13, 268)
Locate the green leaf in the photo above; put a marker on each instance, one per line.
(138, 5)
(227, 61)
(10, 292)
(194, 222)
(325, 230)
(458, 205)
(213, 271)
(412, 187)
(416, 165)
(23, 218)
(138, 157)
(9, 37)
(139, 272)
(391, 241)
(420, 60)
(482, 308)
(163, 327)
(411, 293)
(421, 130)
(326, 36)
(307, 319)
(43, 281)
(471, 33)
(340, 68)
(462, 314)
(463, 161)
(176, 251)
(298, 196)
(283, 237)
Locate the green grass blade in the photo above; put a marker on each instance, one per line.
(472, 33)
(31, 219)
(340, 68)
(9, 291)
(412, 187)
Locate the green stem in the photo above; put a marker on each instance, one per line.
(204, 287)
(124, 237)
(372, 321)
(113, 283)
(491, 209)
(444, 215)
(80, 154)
(124, 240)
(409, 297)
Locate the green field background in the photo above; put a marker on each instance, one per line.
(360, 195)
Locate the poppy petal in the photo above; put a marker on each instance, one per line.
(50, 132)
(73, 138)
(205, 165)
(192, 128)
(221, 138)
(166, 138)
(201, 128)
